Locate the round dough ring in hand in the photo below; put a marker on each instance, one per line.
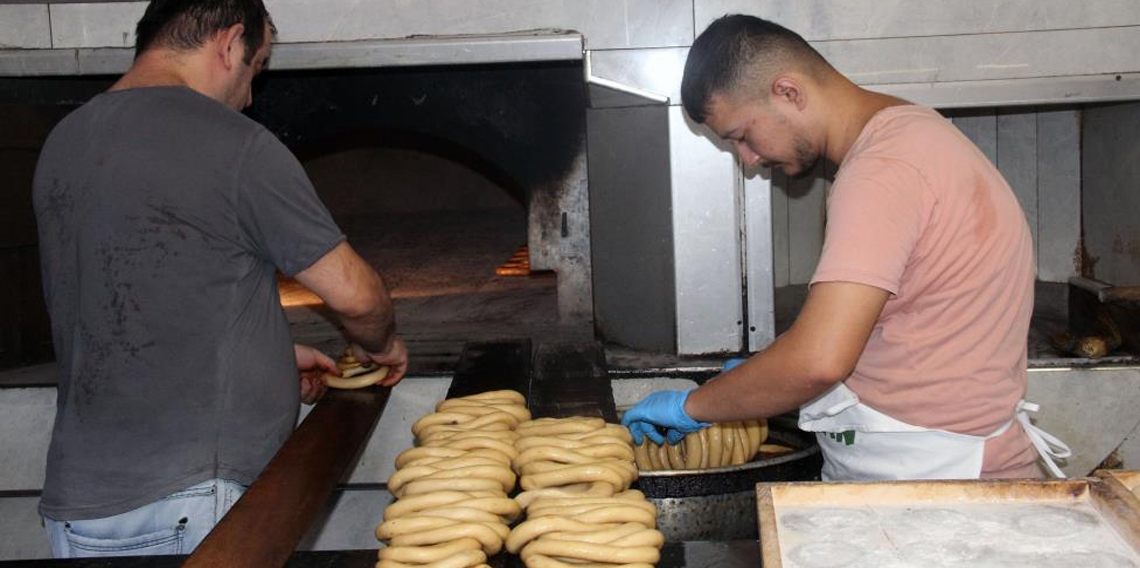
(356, 377)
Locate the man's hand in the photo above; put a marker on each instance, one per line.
(395, 357)
(665, 409)
(312, 364)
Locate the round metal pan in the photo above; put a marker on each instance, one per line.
(720, 503)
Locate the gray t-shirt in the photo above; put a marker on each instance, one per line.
(163, 215)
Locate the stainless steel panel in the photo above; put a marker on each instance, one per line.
(806, 212)
(1059, 194)
(781, 231)
(1093, 423)
(855, 19)
(605, 24)
(1110, 166)
(657, 71)
(549, 46)
(706, 240)
(758, 260)
(575, 273)
(981, 129)
(1017, 161)
(95, 25)
(24, 26)
(631, 226)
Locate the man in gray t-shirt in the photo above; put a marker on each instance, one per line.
(164, 215)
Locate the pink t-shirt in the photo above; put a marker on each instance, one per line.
(917, 210)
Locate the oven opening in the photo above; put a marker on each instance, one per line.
(441, 224)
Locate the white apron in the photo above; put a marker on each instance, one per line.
(860, 443)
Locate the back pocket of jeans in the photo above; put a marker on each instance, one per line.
(165, 541)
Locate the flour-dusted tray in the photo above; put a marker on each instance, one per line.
(926, 524)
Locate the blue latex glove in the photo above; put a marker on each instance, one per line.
(732, 363)
(665, 409)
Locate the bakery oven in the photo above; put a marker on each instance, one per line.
(462, 185)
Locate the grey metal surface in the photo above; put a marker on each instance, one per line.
(542, 45)
(706, 239)
(575, 272)
(26, 419)
(758, 260)
(709, 517)
(24, 537)
(1110, 165)
(720, 503)
(1059, 194)
(657, 71)
(1017, 162)
(631, 224)
(807, 200)
(980, 126)
(1092, 410)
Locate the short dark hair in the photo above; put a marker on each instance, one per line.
(188, 24)
(736, 48)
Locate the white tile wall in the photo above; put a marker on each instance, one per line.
(606, 24)
(24, 26)
(985, 56)
(95, 25)
(851, 19)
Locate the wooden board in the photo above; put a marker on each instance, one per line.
(772, 499)
(1126, 482)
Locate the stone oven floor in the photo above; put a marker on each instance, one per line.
(440, 268)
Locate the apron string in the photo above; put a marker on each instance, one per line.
(1048, 446)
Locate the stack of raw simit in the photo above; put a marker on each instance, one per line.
(580, 513)
(719, 445)
(452, 508)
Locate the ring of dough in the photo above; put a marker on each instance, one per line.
(356, 377)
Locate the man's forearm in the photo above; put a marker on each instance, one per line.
(821, 348)
(374, 331)
(772, 382)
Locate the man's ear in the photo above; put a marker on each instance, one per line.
(231, 48)
(789, 90)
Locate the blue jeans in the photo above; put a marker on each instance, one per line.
(174, 524)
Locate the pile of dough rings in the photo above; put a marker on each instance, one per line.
(719, 445)
(354, 374)
(452, 508)
(580, 513)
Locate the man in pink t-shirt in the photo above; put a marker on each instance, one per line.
(909, 356)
